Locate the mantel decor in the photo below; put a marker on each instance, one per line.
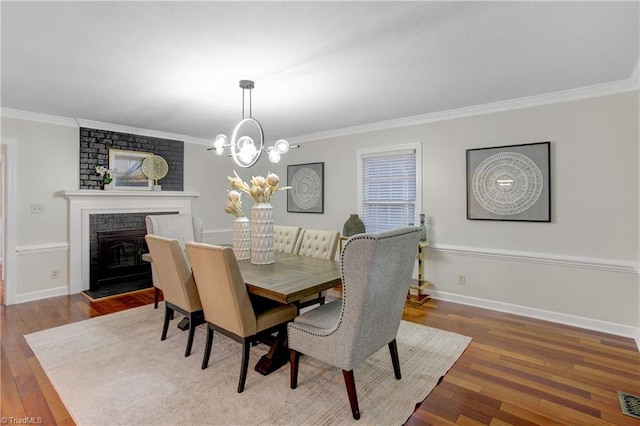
(307, 188)
(509, 183)
(155, 168)
(128, 170)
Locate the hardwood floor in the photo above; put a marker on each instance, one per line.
(516, 371)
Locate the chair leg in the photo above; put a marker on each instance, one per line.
(393, 349)
(207, 347)
(246, 345)
(192, 331)
(168, 314)
(295, 361)
(351, 391)
(156, 297)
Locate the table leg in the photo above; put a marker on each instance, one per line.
(277, 356)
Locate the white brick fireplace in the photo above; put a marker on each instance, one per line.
(83, 203)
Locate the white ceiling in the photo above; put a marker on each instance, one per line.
(175, 66)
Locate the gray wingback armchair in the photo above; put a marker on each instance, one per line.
(376, 274)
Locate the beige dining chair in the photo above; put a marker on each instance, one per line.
(320, 244)
(228, 307)
(178, 286)
(182, 227)
(376, 275)
(285, 238)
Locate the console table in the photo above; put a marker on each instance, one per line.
(418, 290)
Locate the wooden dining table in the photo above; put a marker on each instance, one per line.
(289, 279)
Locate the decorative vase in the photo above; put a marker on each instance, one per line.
(107, 187)
(242, 238)
(353, 226)
(423, 229)
(262, 234)
(157, 187)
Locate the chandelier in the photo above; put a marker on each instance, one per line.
(247, 140)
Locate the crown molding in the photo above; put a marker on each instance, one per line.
(79, 122)
(597, 90)
(36, 116)
(605, 89)
(142, 132)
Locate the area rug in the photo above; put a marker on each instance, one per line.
(114, 370)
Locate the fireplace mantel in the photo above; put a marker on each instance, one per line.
(83, 203)
(88, 193)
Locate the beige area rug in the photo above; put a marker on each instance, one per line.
(114, 370)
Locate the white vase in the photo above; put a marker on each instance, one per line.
(262, 234)
(242, 238)
(107, 187)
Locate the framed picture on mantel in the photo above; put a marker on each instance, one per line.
(307, 188)
(128, 175)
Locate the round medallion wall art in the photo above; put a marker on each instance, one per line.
(307, 188)
(509, 183)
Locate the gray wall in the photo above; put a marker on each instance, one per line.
(580, 268)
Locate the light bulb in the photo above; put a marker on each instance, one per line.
(244, 141)
(219, 151)
(221, 141)
(274, 155)
(282, 146)
(248, 150)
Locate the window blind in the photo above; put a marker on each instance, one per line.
(389, 190)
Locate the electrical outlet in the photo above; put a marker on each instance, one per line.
(55, 274)
(37, 208)
(462, 279)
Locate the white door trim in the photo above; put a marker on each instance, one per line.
(10, 219)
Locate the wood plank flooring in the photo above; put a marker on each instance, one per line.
(517, 370)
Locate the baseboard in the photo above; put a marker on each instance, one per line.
(42, 294)
(541, 314)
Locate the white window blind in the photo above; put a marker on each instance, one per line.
(388, 189)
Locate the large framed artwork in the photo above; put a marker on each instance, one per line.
(307, 188)
(509, 183)
(128, 174)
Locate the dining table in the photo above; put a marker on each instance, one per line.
(289, 279)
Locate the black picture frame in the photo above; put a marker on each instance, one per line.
(307, 188)
(509, 183)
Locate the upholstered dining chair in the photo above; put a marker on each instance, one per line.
(285, 238)
(376, 275)
(316, 243)
(178, 286)
(228, 307)
(182, 227)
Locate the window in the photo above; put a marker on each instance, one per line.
(389, 187)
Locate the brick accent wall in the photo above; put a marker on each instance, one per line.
(94, 151)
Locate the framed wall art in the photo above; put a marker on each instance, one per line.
(307, 188)
(129, 175)
(509, 183)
